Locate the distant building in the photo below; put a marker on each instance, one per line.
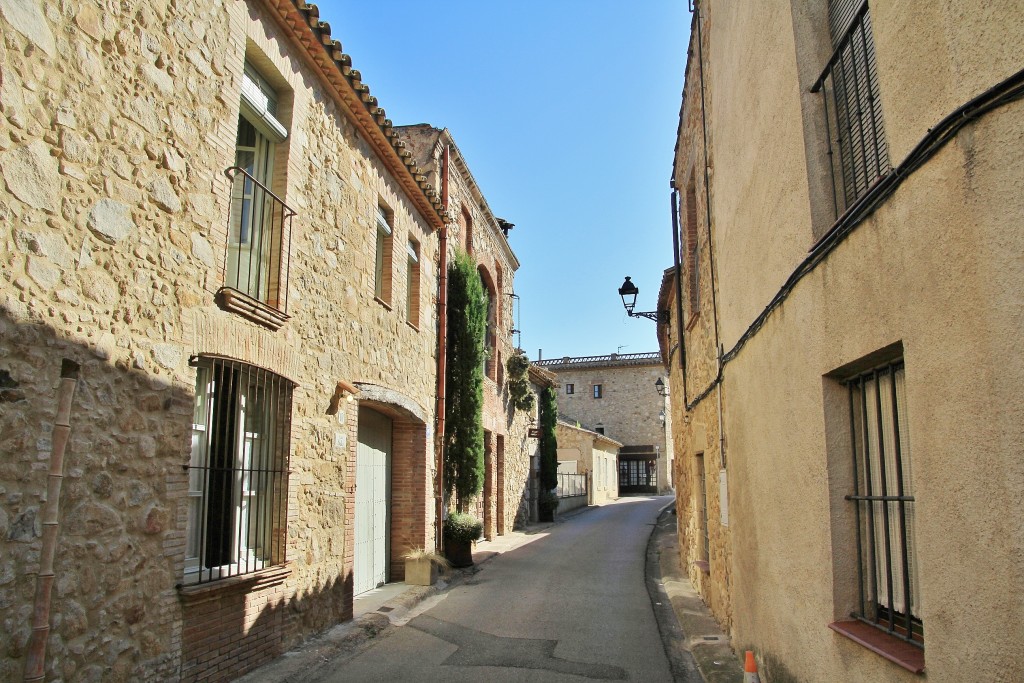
(846, 368)
(587, 452)
(615, 395)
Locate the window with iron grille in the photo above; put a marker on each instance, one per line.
(238, 473)
(598, 391)
(889, 591)
(857, 149)
(570, 388)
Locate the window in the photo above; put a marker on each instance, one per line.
(238, 472)
(599, 429)
(853, 110)
(412, 285)
(884, 500)
(598, 391)
(692, 256)
(466, 223)
(259, 227)
(382, 265)
(570, 388)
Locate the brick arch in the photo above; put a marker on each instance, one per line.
(491, 336)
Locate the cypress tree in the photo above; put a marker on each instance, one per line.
(464, 378)
(548, 441)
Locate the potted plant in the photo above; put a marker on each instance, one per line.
(421, 566)
(547, 503)
(460, 531)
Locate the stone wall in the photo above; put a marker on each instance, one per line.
(629, 406)
(696, 433)
(118, 123)
(628, 409)
(474, 227)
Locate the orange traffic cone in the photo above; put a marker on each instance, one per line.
(750, 669)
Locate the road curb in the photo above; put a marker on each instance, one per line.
(697, 649)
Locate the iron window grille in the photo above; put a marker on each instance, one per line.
(598, 391)
(857, 151)
(238, 472)
(889, 596)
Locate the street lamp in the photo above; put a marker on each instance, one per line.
(628, 292)
(660, 387)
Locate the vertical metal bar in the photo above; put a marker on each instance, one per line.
(831, 160)
(857, 503)
(204, 500)
(860, 108)
(848, 160)
(258, 389)
(898, 454)
(885, 504)
(872, 537)
(872, 84)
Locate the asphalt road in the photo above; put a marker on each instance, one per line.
(571, 605)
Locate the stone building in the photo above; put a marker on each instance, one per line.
(478, 232)
(846, 308)
(592, 454)
(615, 396)
(213, 229)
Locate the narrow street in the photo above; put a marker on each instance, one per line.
(571, 605)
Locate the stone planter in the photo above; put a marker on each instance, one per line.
(459, 553)
(420, 571)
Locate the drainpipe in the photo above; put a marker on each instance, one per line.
(35, 658)
(442, 351)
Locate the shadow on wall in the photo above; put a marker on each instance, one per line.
(115, 611)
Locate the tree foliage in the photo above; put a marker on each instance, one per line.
(519, 391)
(548, 440)
(464, 382)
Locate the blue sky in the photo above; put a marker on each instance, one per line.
(566, 111)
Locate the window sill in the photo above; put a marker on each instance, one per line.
(383, 303)
(412, 325)
(895, 650)
(704, 566)
(692, 322)
(234, 301)
(242, 583)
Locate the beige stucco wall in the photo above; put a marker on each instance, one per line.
(118, 122)
(591, 454)
(936, 268)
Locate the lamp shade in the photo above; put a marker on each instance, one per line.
(628, 292)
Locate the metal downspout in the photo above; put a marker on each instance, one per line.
(442, 352)
(679, 286)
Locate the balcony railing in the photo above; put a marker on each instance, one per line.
(857, 151)
(615, 357)
(257, 257)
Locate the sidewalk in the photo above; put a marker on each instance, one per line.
(697, 649)
(692, 637)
